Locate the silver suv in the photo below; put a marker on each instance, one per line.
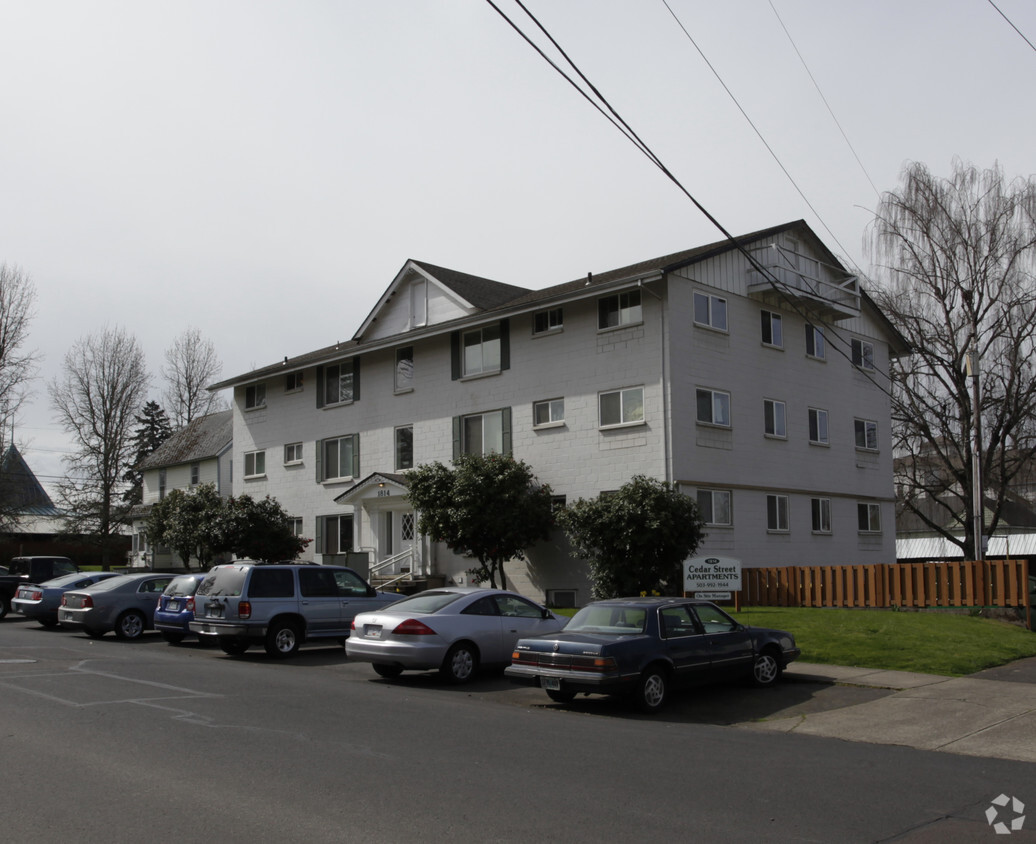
(280, 606)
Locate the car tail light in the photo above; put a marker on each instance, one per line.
(34, 595)
(413, 627)
(590, 664)
(189, 605)
(244, 609)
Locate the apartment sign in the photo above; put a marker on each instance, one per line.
(712, 574)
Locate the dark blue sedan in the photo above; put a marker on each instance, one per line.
(175, 608)
(642, 647)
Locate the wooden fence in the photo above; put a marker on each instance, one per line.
(988, 583)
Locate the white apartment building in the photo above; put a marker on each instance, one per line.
(755, 376)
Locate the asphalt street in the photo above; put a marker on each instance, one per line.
(113, 741)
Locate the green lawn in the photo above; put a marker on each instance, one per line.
(928, 642)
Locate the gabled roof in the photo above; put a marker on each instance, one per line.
(485, 296)
(205, 437)
(25, 494)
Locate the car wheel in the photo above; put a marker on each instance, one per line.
(560, 697)
(282, 639)
(460, 664)
(130, 625)
(172, 638)
(383, 670)
(234, 647)
(766, 670)
(652, 689)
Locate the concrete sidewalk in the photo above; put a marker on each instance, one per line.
(968, 715)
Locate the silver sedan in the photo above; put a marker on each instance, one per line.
(454, 630)
(125, 604)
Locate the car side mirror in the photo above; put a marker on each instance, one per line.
(547, 614)
(371, 592)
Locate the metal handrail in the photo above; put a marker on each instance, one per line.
(391, 561)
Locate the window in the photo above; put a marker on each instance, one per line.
(772, 331)
(713, 407)
(482, 433)
(295, 525)
(558, 502)
(334, 534)
(777, 513)
(293, 382)
(818, 426)
(255, 396)
(775, 414)
(821, 509)
(255, 464)
(714, 505)
(403, 377)
(551, 412)
(195, 474)
(405, 447)
(620, 309)
(161, 484)
(418, 303)
(863, 354)
(869, 517)
(292, 453)
(866, 434)
(340, 382)
(481, 350)
(338, 457)
(622, 407)
(710, 311)
(544, 321)
(815, 344)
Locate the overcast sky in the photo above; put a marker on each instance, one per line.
(261, 170)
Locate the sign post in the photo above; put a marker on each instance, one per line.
(713, 579)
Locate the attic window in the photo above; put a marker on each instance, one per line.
(255, 396)
(418, 303)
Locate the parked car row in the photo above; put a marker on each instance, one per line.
(639, 648)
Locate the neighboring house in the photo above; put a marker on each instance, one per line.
(198, 453)
(35, 523)
(766, 400)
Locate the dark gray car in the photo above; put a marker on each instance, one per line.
(644, 646)
(125, 604)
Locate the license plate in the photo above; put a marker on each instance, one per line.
(66, 615)
(172, 606)
(214, 611)
(551, 683)
(372, 631)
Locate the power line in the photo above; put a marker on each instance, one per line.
(632, 136)
(827, 105)
(755, 128)
(1015, 28)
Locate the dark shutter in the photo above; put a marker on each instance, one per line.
(505, 344)
(320, 387)
(505, 429)
(356, 456)
(457, 420)
(356, 379)
(319, 461)
(318, 540)
(455, 355)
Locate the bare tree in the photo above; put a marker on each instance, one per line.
(191, 365)
(17, 369)
(957, 257)
(102, 387)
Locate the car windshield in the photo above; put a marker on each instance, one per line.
(426, 602)
(613, 620)
(224, 582)
(182, 586)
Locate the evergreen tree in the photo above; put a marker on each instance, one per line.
(152, 430)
